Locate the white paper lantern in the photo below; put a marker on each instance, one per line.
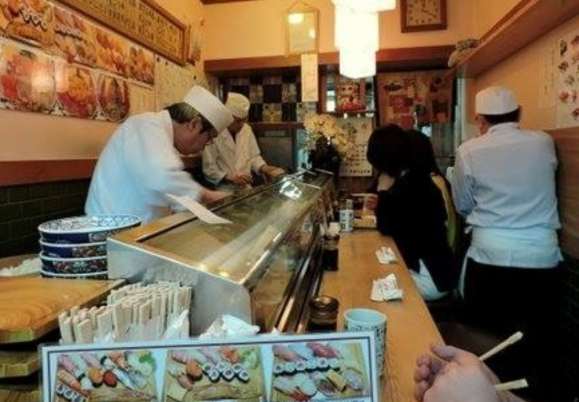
(357, 63)
(357, 34)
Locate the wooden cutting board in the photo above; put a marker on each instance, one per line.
(18, 363)
(30, 306)
(21, 390)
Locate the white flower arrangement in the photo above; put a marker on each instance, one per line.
(328, 127)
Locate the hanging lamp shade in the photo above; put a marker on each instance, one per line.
(357, 34)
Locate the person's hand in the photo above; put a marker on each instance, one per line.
(385, 182)
(371, 202)
(432, 375)
(271, 171)
(209, 197)
(239, 179)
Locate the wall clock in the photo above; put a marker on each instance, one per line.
(423, 15)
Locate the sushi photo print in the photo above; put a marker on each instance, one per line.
(318, 371)
(214, 373)
(281, 368)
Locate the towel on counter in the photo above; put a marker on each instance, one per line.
(386, 255)
(386, 289)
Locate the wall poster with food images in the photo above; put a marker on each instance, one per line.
(324, 367)
(114, 98)
(112, 53)
(568, 99)
(357, 165)
(75, 38)
(399, 94)
(141, 65)
(31, 21)
(27, 80)
(77, 91)
(350, 94)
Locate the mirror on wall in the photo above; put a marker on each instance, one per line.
(301, 21)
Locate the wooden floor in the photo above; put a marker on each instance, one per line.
(410, 328)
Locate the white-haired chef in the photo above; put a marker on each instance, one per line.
(235, 155)
(141, 162)
(504, 184)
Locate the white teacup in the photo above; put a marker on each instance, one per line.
(362, 319)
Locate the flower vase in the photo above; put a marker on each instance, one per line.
(326, 157)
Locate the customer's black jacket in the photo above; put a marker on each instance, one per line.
(412, 212)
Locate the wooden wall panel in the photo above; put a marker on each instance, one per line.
(567, 143)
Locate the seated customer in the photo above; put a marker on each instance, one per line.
(454, 375)
(426, 161)
(411, 209)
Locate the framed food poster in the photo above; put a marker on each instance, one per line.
(27, 80)
(77, 91)
(114, 98)
(112, 53)
(350, 94)
(31, 21)
(75, 39)
(324, 367)
(568, 78)
(141, 65)
(400, 94)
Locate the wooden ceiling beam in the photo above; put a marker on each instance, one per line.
(386, 59)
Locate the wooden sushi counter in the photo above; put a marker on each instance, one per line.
(410, 328)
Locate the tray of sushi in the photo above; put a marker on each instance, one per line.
(318, 371)
(106, 377)
(214, 373)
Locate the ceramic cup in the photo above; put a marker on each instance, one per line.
(361, 319)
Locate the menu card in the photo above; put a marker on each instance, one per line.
(336, 366)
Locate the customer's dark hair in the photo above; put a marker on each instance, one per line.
(390, 150)
(424, 158)
(182, 112)
(511, 117)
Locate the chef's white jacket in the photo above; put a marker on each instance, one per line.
(138, 166)
(228, 156)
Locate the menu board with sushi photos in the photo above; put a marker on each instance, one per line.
(568, 78)
(324, 367)
(361, 129)
(172, 82)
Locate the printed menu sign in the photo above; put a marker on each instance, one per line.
(140, 20)
(336, 367)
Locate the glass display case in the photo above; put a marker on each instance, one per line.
(258, 268)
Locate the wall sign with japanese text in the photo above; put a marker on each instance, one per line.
(141, 20)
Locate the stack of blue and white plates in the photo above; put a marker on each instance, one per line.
(76, 248)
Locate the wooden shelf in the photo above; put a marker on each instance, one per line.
(527, 22)
(289, 125)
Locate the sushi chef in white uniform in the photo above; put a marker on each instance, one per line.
(141, 163)
(234, 155)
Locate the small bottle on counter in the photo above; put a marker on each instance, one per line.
(323, 314)
(347, 215)
(330, 247)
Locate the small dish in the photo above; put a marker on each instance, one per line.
(85, 229)
(73, 265)
(94, 276)
(86, 250)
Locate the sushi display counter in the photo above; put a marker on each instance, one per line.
(261, 267)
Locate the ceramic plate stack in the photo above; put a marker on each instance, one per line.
(76, 248)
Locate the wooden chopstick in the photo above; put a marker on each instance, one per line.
(501, 346)
(512, 385)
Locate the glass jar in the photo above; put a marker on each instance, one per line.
(323, 314)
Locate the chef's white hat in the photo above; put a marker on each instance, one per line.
(238, 105)
(209, 107)
(496, 101)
